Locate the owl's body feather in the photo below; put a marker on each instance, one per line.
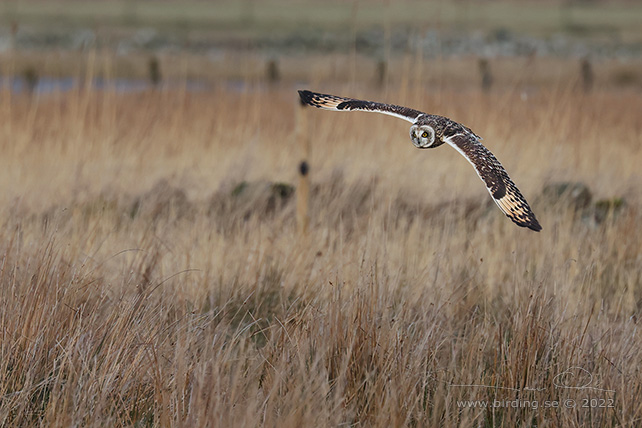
(430, 131)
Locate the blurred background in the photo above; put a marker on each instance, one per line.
(484, 43)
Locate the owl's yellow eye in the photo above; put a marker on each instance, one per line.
(424, 135)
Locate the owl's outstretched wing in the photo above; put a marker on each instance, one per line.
(332, 102)
(504, 192)
(502, 189)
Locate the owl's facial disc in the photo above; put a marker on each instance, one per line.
(422, 136)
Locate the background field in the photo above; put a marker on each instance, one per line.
(152, 272)
(279, 16)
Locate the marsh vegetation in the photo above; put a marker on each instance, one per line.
(152, 272)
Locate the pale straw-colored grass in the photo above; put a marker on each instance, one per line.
(126, 300)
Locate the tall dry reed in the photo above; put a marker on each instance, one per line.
(151, 272)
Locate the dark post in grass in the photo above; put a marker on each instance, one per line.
(272, 72)
(586, 70)
(303, 187)
(155, 76)
(30, 78)
(382, 73)
(14, 35)
(486, 75)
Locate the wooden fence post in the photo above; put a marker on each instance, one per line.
(303, 187)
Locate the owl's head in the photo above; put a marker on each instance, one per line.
(422, 136)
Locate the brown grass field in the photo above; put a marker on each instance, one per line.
(143, 284)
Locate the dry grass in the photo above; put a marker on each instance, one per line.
(138, 289)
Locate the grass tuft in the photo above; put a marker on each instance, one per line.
(142, 285)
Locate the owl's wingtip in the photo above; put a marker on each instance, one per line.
(305, 97)
(534, 225)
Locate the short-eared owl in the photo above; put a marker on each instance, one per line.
(429, 131)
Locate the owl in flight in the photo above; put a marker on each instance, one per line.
(429, 131)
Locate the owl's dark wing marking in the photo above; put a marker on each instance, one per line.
(504, 192)
(332, 102)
